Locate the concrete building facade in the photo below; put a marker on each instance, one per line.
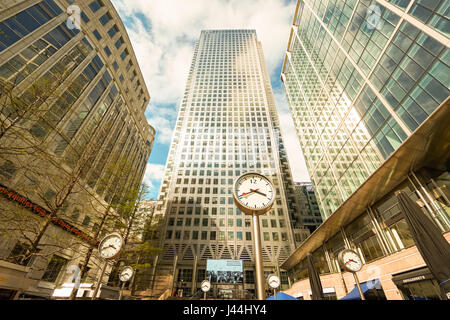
(72, 64)
(227, 125)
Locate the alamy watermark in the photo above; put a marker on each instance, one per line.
(373, 17)
(74, 19)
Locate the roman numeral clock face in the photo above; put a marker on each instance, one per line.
(254, 192)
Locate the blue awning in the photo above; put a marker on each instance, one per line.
(365, 286)
(282, 296)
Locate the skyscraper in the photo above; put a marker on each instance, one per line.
(368, 86)
(309, 208)
(227, 125)
(72, 105)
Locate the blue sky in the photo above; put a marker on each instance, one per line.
(163, 34)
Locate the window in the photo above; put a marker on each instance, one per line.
(124, 54)
(201, 275)
(104, 19)
(84, 17)
(112, 32)
(8, 169)
(95, 5)
(119, 43)
(54, 268)
(97, 34)
(19, 255)
(107, 51)
(185, 275)
(249, 276)
(86, 220)
(26, 21)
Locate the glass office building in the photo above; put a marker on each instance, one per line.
(309, 208)
(227, 125)
(368, 85)
(81, 84)
(360, 77)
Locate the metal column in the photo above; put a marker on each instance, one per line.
(259, 266)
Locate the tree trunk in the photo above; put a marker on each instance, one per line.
(83, 269)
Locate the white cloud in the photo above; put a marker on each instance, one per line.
(153, 173)
(291, 142)
(164, 41)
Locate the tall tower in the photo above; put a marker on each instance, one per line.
(227, 125)
(360, 79)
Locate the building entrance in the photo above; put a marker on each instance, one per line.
(418, 284)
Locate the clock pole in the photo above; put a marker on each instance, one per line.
(257, 182)
(99, 281)
(359, 286)
(258, 258)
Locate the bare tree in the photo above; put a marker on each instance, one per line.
(114, 177)
(25, 102)
(140, 244)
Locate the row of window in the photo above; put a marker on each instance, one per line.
(222, 235)
(25, 22)
(104, 19)
(213, 222)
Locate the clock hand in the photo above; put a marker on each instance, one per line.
(263, 194)
(247, 193)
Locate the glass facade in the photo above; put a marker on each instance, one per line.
(61, 95)
(359, 83)
(84, 98)
(382, 230)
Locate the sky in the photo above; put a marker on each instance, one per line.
(163, 34)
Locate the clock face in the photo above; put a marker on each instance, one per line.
(351, 260)
(110, 246)
(205, 286)
(273, 281)
(254, 193)
(126, 274)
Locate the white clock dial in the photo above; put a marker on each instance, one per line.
(351, 260)
(273, 281)
(254, 192)
(205, 286)
(110, 246)
(126, 274)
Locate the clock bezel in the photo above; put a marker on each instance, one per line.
(204, 282)
(251, 211)
(342, 263)
(115, 234)
(123, 270)
(273, 276)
